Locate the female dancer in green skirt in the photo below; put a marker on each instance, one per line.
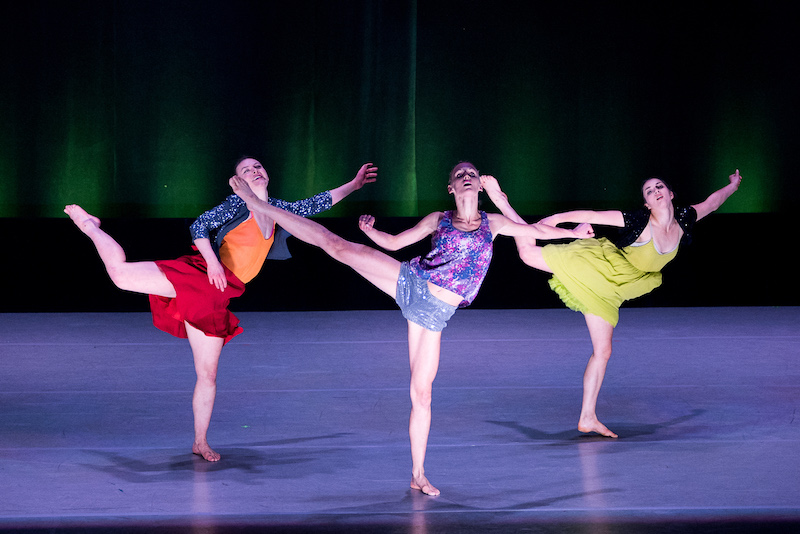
(595, 276)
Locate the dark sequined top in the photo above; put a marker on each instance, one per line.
(636, 222)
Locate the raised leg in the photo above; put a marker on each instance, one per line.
(140, 277)
(376, 267)
(601, 333)
(423, 350)
(206, 351)
(531, 254)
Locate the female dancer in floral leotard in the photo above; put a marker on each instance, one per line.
(428, 289)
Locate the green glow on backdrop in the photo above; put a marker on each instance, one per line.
(182, 163)
(82, 157)
(744, 139)
(526, 152)
(138, 109)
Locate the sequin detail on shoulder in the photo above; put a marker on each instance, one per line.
(214, 218)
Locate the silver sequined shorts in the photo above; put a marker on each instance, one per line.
(418, 303)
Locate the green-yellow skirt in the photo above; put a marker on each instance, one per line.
(594, 276)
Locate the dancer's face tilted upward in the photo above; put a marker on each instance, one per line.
(656, 193)
(464, 177)
(253, 173)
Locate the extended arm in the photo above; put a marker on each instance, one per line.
(323, 201)
(717, 198)
(367, 174)
(500, 199)
(387, 241)
(502, 225)
(606, 218)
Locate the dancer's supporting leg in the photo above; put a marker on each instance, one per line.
(423, 352)
(423, 345)
(145, 277)
(206, 351)
(601, 333)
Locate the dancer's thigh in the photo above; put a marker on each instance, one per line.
(144, 277)
(376, 267)
(531, 255)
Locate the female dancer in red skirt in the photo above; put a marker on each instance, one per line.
(189, 296)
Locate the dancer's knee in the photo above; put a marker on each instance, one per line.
(119, 276)
(421, 397)
(339, 248)
(531, 254)
(207, 376)
(125, 278)
(602, 352)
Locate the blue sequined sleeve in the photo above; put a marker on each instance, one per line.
(215, 217)
(306, 207)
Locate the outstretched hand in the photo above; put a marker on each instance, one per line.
(735, 179)
(367, 174)
(584, 231)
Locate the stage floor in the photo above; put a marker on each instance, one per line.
(312, 412)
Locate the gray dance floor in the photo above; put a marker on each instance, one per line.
(312, 412)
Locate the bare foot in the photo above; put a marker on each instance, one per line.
(84, 221)
(421, 483)
(202, 449)
(593, 425)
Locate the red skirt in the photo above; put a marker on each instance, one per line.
(197, 302)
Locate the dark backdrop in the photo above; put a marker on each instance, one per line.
(137, 110)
